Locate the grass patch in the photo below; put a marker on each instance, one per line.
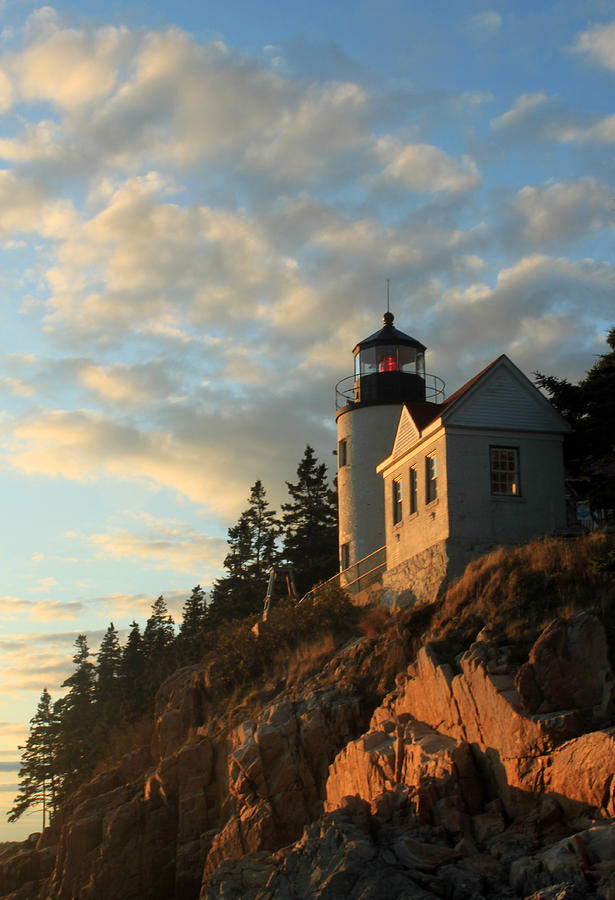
(516, 592)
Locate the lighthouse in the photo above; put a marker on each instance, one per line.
(389, 371)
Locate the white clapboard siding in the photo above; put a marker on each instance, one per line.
(407, 433)
(502, 401)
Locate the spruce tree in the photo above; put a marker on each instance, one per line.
(252, 551)
(158, 640)
(310, 524)
(265, 530)
(109, 658)
(132, 675)
(76, 745)
(38, 775)
(159, 631)
(194, 613)
(589, 407)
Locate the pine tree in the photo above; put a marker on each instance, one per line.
(109, 658)
(158, 640)
(132, 675)
(76, 744)
(194, 613)
(265, 528)
(589, 407)
(38, 775)
(159, 631)
(310, 524)
(252, 551)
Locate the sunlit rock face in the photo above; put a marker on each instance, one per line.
(484, 777)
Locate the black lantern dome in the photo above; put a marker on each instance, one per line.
(389, 366)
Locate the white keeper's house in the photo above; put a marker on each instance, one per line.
(427, 483)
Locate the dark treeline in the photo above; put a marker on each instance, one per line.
(589, 408)
(114, 689)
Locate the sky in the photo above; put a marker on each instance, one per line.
(200, 205)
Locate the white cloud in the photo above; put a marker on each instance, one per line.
(485, 23)
(540, 117)
(55, 610)
(165, 544)
(538, 288)
(69, 68)
(425, 168)
(563, 210)
(598, 43)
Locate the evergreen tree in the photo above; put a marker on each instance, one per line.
(194, 613)
(589, 407)
(310, 524)
(265, 530)
(252, 551)
(108, 666)
(38, 775)
(158, 640)
(76, 745)
(132, 675)
(159, 631)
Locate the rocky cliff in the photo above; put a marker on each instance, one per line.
(483, 776)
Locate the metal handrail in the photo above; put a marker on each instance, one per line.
(354, 585)
(344, 396)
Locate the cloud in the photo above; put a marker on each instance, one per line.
(82, 445)
(536, 290)
(540, 117)
(28, 670)
(425, 168)
(139, 262)
(598, 43)
(55, 610)
(121, 384)
(13, 607)
(563, 211)
(69, 68)
(166, 544)
(25, 207)
(485, 24)
(40, 611)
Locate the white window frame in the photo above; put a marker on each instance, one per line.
(397, 499)
(413, 497)
(504, 475)
(431, 478)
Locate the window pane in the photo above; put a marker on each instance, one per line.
(505, 471)
(387, 359)
(397, 500)
(407, 359)
(412, 491)
(345, 556)
(431, 476)
(368, 361)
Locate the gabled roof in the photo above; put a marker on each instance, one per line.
(500, 396)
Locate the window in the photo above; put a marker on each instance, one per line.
(505, 471)
(344, 556)
(412, 491)
(342, 453)
(397, 500)
(431, 478)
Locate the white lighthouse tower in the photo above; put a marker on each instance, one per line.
(389, 370)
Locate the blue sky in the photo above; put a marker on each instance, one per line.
(199, 208)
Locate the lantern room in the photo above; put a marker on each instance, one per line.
(389, 366)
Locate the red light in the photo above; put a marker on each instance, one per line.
(388, 364)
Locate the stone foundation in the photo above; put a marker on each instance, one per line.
(422, 578)
(418, 579)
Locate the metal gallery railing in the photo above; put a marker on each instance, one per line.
(346, 390)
